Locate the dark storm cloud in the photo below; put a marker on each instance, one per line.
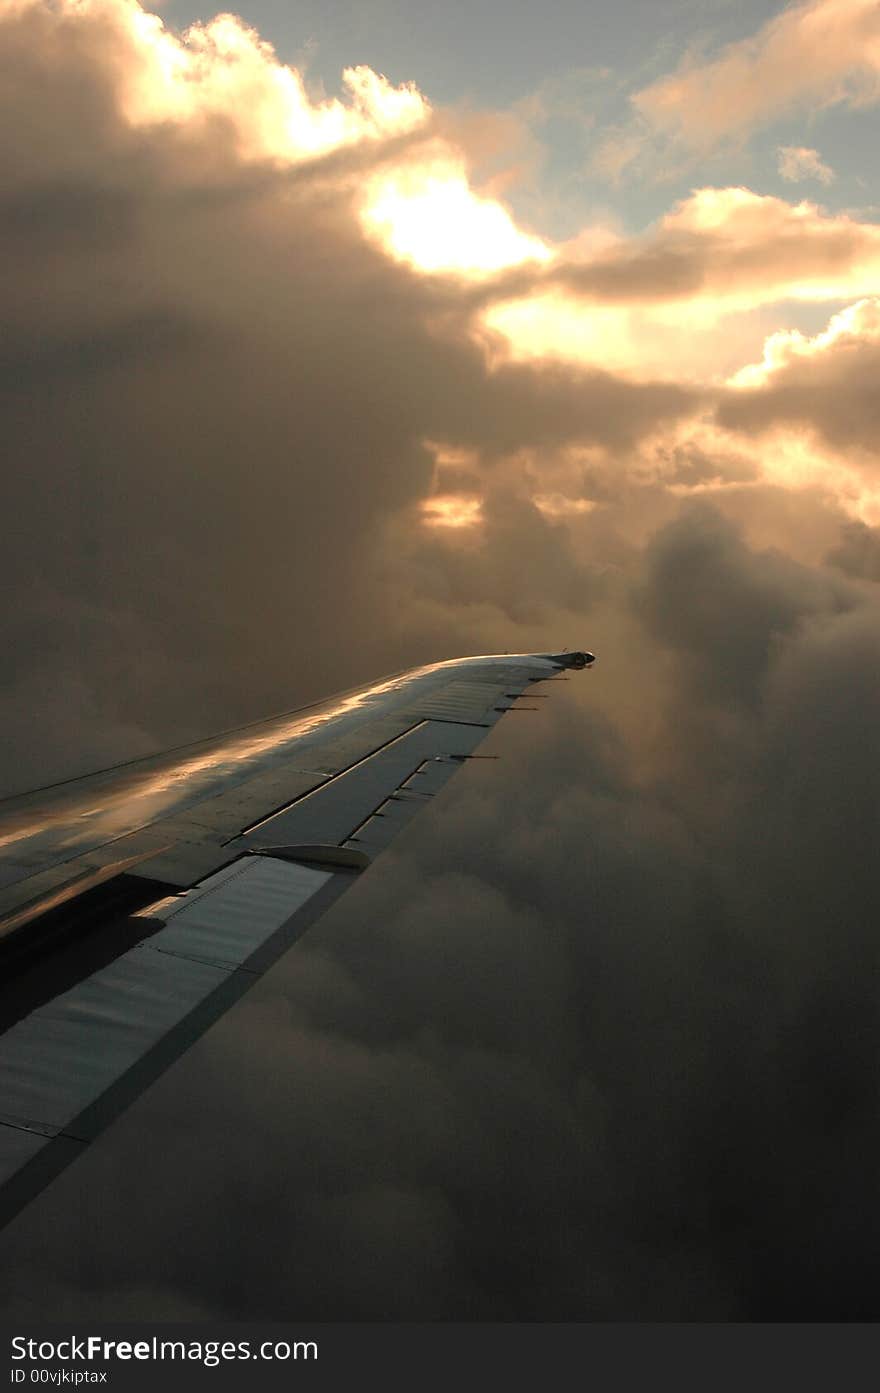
(618, 1063)
(858, 551)
(518, 563)
(722, 615)
(64, 217)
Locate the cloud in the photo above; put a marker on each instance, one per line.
(222, 71)
(201, 346)
(858, 552)
(738, 248)
(797, 162)
(428, 215)
(654, 305)
(823, 386)
(819, 54)
(561, 1058)
(858, 324)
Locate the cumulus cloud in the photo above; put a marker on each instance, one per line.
(856, 325)
(798, 162)
(824, 386)
(653, 305)
(738, 247)
(222, 72)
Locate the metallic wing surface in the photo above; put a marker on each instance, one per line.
(138, 903)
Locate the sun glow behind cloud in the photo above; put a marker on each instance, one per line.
(453, 510)
(427, 214)
(421, 209)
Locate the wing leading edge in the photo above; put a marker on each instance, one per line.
(138, 904)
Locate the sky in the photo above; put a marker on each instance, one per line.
(342, 338)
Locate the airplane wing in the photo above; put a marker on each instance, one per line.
(137, 904)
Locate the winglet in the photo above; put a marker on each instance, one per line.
(578, 659)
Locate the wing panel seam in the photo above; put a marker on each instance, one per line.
(328, 783)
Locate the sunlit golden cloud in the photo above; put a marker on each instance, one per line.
(559, 505)
(223, 70)
(788, 456)
(809, 408)
(857, 324)
(801, 419)
(739, 249)
(426, 213)
(672, 342)
(823, 53)
(691, 298)
(670, 316)
(421, 210)
(452, 510)
(795, 460)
